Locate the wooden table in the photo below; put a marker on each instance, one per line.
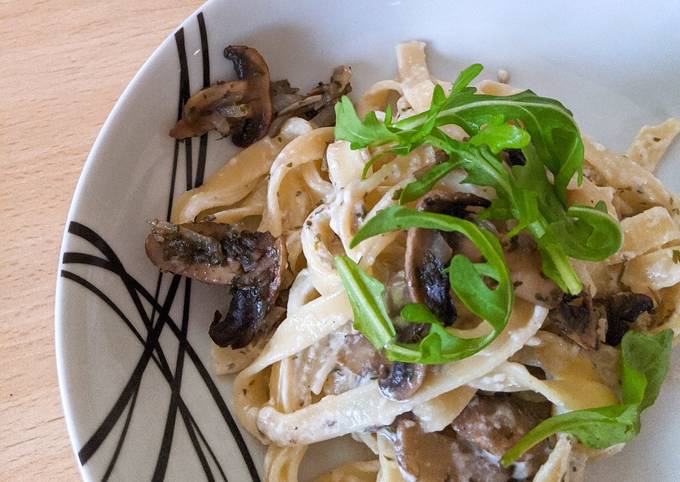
(63, 63)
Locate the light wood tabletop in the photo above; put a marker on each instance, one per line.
(63, 63)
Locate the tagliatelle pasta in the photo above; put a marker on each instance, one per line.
(364, 406)
(651, 143)
(645, 232)
(636, 188)
(315, 377)
(238, 177)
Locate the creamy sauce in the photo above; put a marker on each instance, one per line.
(524, 263)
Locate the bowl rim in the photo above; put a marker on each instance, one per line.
(88, 170)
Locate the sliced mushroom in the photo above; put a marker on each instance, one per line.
(589, 322)
(251, 67)
(428, 252)
(246, 316)
(424, 269)
(623, 309)
(318, 106)
(252, 262)
(359, 356)
(242, 107)
(579, 319)
(479, 436)
(193, 250)
(400, 381)
(441, 456)
(495, 422)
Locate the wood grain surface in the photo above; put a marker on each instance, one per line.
(63, 63)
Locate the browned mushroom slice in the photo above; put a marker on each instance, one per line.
(253, 293)
(210, 109)
(242, 107)
(589, 322)
(427, 255)
(579, 319)
(495, 422)
(193, 250)
(428, 252)
(400, 381)
(478, 437)
(442, 456)
(252, 262)
(623, 309)
(250, 66)
(318, 106)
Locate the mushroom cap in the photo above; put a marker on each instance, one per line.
(577, 318)
(242, 108)
(254, 263)
(253, 296)
(429, 251)
(494, 422)
(588, 321)
(251, 67)
(400, 381)
(622, 310)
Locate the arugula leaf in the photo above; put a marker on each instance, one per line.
(532, 176)
(467, 279)
(366, 297)
(466, 76)
(588, 233)
(551, 126)
(645, 360)
(645, 363)
(439, 345)
(369, 132)
(556, 266)
(584, 232)
(416, 189)
(370, 317)
(498, 135)
(527, 196)
(555, 144)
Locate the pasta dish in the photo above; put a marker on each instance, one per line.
(447, 272)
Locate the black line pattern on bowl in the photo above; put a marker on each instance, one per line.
(158, 319)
